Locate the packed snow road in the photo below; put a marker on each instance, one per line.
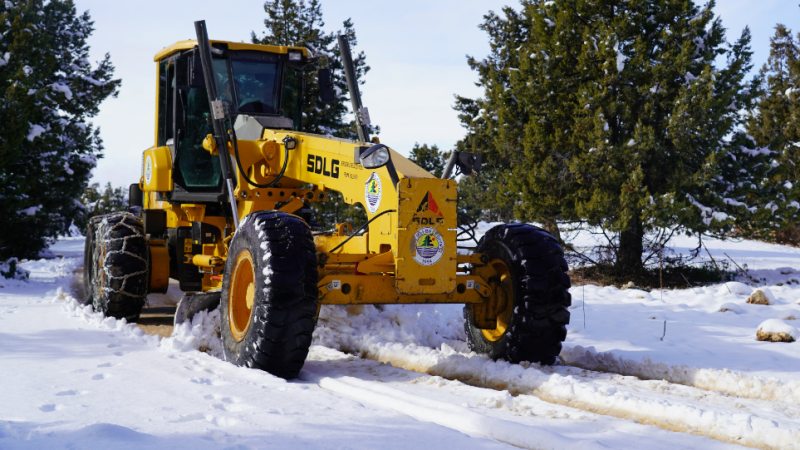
(396, 377)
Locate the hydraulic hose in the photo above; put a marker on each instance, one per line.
(360, 229)
(242, 171)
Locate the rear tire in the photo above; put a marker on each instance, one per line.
(269, 294)
(535, 321)
(119, 265)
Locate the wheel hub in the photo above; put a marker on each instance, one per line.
(241, 295)
(500, 308)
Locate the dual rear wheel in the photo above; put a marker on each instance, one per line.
(116, 269)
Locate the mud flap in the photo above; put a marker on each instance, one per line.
(193, 302)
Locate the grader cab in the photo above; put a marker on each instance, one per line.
(223, 207)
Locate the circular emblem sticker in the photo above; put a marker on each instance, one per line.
(427, 246)
(148, 170)
(372, 193)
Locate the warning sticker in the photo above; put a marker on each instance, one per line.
(427, 246)
(372, 193)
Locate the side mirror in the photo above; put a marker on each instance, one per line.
(375, 157)
(325, 81)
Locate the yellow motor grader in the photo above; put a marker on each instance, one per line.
(223, 207)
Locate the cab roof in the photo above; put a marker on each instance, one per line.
(186, 45)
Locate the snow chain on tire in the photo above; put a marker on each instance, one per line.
(538, 271)
(119, 267)
(269, 294)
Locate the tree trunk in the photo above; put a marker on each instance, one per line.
(629, 255)
(551, 226)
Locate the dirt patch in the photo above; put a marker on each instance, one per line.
(672, 277)
(157, 320)
(158, 313)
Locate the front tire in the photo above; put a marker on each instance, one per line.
(269, 294)
(528, 272)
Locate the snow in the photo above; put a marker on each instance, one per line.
(92, 80)
(403, 376)
(35, 131)
(620, 58)
(63, 88)
(30, 211)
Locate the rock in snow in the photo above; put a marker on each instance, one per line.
(762, 296)
(732, 307)
(776, 330)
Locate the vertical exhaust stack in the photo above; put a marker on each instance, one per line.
(217, 113)
(359, 111)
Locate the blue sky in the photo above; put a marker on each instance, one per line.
(417, 50)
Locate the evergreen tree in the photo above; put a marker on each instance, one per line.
(616, 113)
(299, 23)
(772, 116)
(47, 149)
(774, 121)
(429, 158)
(97, 203)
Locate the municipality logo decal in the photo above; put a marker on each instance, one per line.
(148, 170)
(372, 193)
(427, 247)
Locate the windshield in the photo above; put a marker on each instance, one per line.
(255, 84)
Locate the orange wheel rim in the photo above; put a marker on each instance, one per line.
(241, 295)
(504, 304)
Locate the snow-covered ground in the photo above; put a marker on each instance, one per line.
(402, 376)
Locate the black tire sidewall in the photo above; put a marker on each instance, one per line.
(88, 264)
(240, 352)
(285, 301)
(541, 295)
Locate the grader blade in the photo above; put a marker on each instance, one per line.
(193, 302)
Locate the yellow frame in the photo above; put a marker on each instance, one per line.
(386, 265)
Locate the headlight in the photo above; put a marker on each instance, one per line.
(375, 157)
(290, 143)
(295, 56)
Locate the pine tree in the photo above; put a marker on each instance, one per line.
(616, 113)
(429, 158)
(97, 203)
(47, 148)
(770, 120)
(297, 23)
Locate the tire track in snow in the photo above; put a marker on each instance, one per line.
(448, 415)
(413, 339)
(702, 417)
(720, 381)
